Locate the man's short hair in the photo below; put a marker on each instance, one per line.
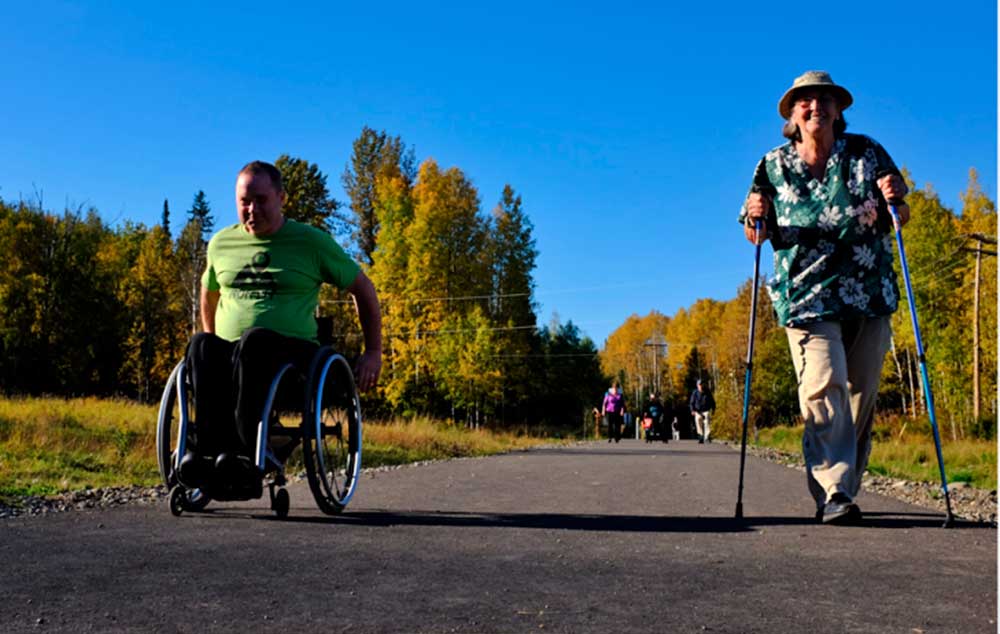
(260, 167)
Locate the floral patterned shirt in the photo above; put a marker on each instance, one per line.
(832, 238)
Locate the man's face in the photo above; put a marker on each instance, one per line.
(258, 204)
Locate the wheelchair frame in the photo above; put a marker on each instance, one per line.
(331, 411)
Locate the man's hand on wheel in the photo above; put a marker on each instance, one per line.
(367, 370)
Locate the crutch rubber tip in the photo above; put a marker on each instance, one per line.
(949, 522)
(739, 510)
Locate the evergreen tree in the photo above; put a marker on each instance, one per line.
(512, 255)
(307, 198)
(569, 382)
(201, 212)
(375, 155)
(512, 259)
(165, 218)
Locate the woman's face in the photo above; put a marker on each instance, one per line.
(814, 112)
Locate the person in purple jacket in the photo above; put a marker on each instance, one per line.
(613, 408)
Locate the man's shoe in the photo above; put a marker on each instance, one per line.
(234, 468)
(194, 470)
(701, 441)
(841, 510)
(237, 476)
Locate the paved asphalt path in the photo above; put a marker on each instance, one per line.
(588, 538)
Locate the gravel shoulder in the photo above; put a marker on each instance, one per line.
(977, 505)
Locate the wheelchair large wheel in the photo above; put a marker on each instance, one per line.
(168, 423)
(332, 432)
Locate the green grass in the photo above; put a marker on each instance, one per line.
(50, 445)
(911, 456)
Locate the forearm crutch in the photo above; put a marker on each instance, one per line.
(746, 385)
(949, 519)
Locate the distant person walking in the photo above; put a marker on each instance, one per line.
(702, 406)
(612, 409)
(821, 199)
(654, 412)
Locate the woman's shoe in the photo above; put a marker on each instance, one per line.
(841, 510)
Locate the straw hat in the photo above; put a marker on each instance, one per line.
(814, 79)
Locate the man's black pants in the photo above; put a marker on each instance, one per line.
(231, 381)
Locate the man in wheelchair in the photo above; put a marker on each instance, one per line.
(259, 295)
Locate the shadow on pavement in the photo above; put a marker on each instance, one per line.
(598, 523)
(550, 521)
(921, 520)
(629, 453)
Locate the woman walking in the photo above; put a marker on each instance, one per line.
(613, 408)
(821, 201)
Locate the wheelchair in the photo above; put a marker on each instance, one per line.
(320, 411)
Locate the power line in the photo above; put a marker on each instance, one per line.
(445, 331)
(546, 356)
(389, 298)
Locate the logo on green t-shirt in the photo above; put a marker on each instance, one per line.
(254, 281)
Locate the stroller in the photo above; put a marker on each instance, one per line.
(647, 428)
(652, 424)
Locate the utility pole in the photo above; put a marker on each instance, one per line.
(980, 239)
(656, 342)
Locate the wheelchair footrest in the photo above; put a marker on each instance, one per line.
(227, 477)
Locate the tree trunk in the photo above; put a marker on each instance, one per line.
(951, 410)
(899, 371)
(913, 395)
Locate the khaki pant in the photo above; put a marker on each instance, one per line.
(838, 365)
(702, 424)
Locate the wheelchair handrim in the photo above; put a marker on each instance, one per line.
(164, 423)
(351, 479)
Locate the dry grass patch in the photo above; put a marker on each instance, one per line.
(911, 456)
(403, 441)
(50, 445)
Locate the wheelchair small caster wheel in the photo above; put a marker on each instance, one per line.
(178, 500)
(280, 503)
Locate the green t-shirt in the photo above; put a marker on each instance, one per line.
(831, 237)
(273, 281)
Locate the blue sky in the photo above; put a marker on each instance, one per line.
(629, 129)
